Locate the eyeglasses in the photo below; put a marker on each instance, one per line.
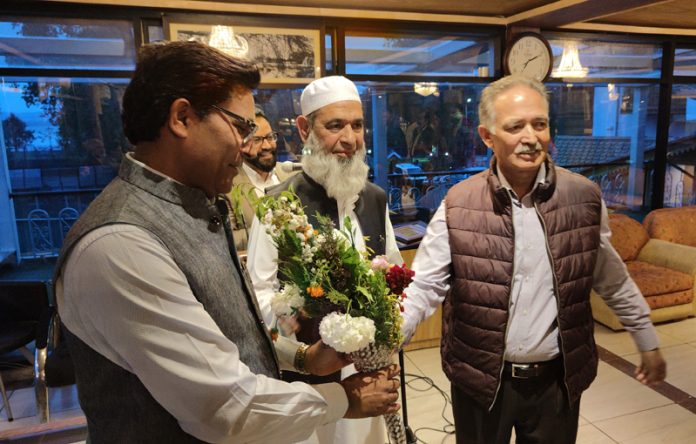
(246, 127)
(270, 138)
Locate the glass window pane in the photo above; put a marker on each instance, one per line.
(155, 33)
(66, 43)
(329, 53)
(281, 106)
(63, 143)
(680, 188)
(685, 62)
(421, 144)
(595, 58)
(607, 133)
(419, 55)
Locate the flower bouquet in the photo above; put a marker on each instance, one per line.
(322, 274)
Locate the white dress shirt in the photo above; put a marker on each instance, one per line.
(532, 331)
(124, 296)
(257, 181)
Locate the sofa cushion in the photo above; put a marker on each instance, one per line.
(654, 280)
(676, 225)
(670, 299)
(627, 236)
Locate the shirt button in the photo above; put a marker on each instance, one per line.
(519, 347)
(524, 312)
(526, 279)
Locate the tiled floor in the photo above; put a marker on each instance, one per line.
(616, 409)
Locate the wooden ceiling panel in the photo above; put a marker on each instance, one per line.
(670, 17)
(674, 14)
(564, 13)
(499, 8)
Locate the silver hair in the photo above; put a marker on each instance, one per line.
(491, 92)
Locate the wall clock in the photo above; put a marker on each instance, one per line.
(529, 54)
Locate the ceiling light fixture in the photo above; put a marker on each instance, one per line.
(570, 63)
(426, 88)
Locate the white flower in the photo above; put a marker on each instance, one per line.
(287, 301)
(268, 217)
(307, 252)
(345, 333)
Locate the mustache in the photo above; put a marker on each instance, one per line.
(528, 149)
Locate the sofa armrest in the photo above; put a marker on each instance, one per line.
(669, 255)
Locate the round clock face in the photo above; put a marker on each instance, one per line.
(530, 56)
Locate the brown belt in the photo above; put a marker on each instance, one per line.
(532, 369)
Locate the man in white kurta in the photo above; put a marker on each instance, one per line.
(332, 128)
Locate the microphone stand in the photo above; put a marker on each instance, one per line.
(410, 436)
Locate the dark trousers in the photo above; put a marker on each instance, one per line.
(537, 408)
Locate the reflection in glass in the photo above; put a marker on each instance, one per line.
(63, 143)
(419, 55)
(607, 133)
(281, 106)
(38, 42)
(328, 39)
(685, 62)
(604, 58)
(419, 146)
(570, 65)
(680, 188)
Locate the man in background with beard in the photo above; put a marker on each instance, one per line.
(258, 172)
(333, 183)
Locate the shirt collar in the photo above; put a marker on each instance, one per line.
(154, 171)
(149, 168)
(256, 178)
(540, 179)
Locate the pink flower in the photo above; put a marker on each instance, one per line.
(380, 263)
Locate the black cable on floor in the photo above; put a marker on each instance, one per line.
(448, 429)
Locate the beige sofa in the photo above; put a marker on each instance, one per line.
(663, 270)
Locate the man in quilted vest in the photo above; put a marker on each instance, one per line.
(513, 253)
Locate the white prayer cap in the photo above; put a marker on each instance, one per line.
(326, 91)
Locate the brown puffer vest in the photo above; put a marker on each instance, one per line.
(475, 311)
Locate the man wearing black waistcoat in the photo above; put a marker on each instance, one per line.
(168, 342)
(333, 183)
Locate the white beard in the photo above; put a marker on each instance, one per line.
(342, 179)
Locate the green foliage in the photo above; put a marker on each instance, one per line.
(324, 258)
(17, 136)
